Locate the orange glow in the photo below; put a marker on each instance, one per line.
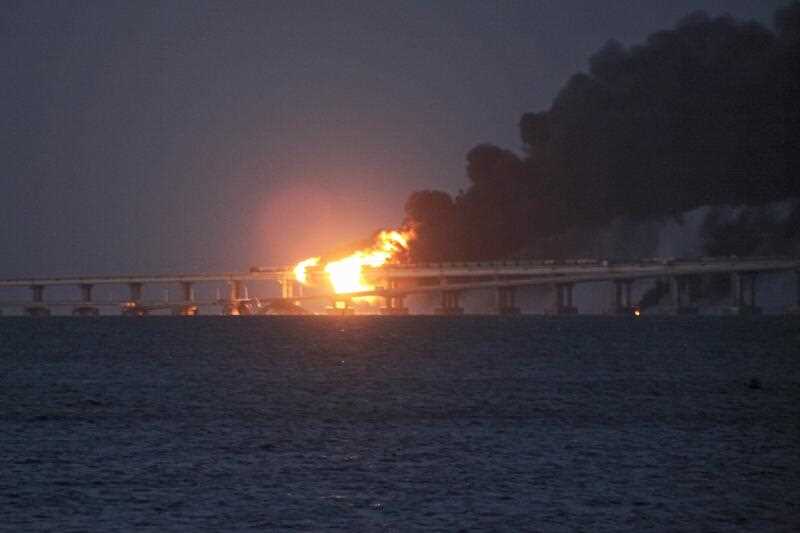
(300, 269)
(637, 313)
(347, 274)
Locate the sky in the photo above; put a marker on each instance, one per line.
(150, 137)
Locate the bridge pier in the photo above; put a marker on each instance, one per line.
(233, 307)
(86, 308)
(680, 275)
(564, 304)
(187, 291)
(623, 303)
(234, 290)
(37, 308)
(184, 310)
(506, 301)
(394, 303)
(341, 306)
(86, 292)
(135, 292)
(290, 288)
(743, 293)
(794, 309)
(133, 306)
(449, 304)
(681, 297)
(187, 308)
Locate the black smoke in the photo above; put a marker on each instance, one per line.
(707, 113)
(753, 231)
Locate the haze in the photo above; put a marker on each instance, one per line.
(201, 136)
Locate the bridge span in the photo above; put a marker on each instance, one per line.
(393, 283)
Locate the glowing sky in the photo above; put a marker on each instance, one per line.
(212, 135)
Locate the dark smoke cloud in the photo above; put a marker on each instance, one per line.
(753, 231)
(706, 113)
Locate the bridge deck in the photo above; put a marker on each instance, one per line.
(146, 278)
(494, 274)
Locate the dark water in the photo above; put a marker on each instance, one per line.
(407, 423)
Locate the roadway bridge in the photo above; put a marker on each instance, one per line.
(393, 283)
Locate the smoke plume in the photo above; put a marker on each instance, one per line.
(703, 114)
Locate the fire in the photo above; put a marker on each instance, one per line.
(347, 274)
(300, 269)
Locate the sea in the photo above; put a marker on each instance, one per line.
(417, 423)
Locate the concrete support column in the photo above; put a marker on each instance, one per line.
(743, 292)
(86, 308)
(794, 309)
(186, 308)
(290, 288)
(623, 303)
(234, 290)
(564, 305)
(506, 301)
(394, 305)
(38, 293)
(797, 296)
(86, 292)
(187, 291)
(621, 296)
(450, 304)
(627, 291)
(676, 291)
(133, 306)
(341, 306)
(736, 290)
(37, 309)
(232, 307)
(136, 292)
(681, 299)
(287, 288)
(394, 302)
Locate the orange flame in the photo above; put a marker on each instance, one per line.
(300, 269)
(347, 274)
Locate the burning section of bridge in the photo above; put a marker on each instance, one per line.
(300, 268)
(348, 274)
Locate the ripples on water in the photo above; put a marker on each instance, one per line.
(367, 423)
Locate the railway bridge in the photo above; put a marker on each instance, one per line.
(394, 283)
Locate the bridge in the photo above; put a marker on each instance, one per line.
(393, 283)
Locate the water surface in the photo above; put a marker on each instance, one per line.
(399, 423)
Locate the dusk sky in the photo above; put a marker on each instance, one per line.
(205, 136)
